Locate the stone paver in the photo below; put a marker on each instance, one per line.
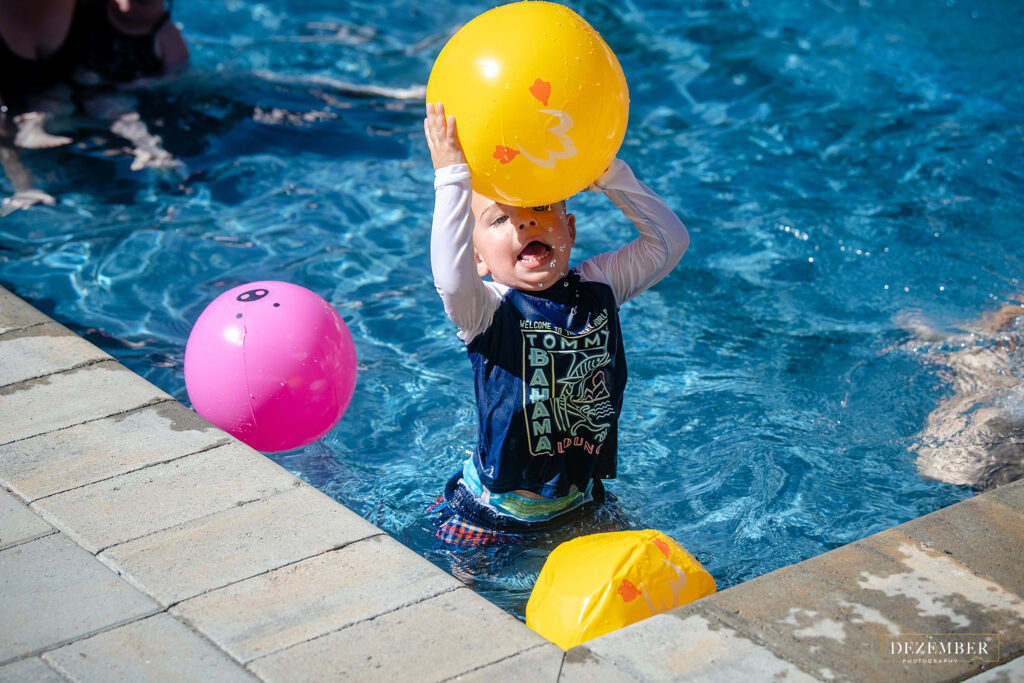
(538, 664)
(130, 506)
(52, 592)
(238, 543)
(16, 313)
(1011, 672)
(32, 670)
(838, 607)
(983, 532)
(943, 590)
(431, 641)
(307, 599)
(159, 648)
(87, 453)
(189, 514)
(42, 350)
(676, 646)
(18, 524)
(69, 398)
(1010, 494)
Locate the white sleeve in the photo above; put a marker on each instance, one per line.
(663, 239)
(468, 300)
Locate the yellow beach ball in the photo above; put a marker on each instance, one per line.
(595, 584)
(540, 101)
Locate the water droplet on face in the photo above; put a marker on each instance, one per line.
(552, 265)
(561, 248)
(551, 229)
(562, 274)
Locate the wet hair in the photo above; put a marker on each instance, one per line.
(565, 209)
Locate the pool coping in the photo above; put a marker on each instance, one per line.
(237, 570)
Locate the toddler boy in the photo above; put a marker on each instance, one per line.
(543, 339)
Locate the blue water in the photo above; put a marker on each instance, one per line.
(838, 164)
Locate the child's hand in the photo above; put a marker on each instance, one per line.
(442, 138)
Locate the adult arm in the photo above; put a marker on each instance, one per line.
(171, 48)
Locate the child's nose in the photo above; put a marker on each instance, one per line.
(523, 225)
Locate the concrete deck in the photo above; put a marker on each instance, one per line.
(138, 542)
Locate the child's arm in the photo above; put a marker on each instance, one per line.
(469, 303)
(663, 239)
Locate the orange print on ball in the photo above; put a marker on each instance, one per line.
(628, 591)
(541, 90)
(504, 154)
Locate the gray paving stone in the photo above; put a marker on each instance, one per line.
(1011, 672)
(17, 523)
(159, 648)
(52, 592)
(667, 647)
(132, 505)
(273, 611)
(983, 532)
(360, 613)
(16, 313)
(211, 552)
(1012, 494)
(830, 614)
(536, 664)
(583, 666)
(32, 670)
(433, 640)
(72, 397)
(43, 350)
(86, 453)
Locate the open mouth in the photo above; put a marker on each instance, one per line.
(535, 253)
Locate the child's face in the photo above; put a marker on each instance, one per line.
(525, 248)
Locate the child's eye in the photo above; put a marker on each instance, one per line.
(499, 220)
(546, 207)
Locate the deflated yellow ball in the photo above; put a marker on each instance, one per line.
(595, 584)
(540, 101)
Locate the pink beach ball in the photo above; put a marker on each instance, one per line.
(271, 363)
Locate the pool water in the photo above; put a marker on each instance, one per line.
(841, 165)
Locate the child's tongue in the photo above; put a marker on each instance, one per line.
(534, 250)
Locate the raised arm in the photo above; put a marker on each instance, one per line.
(663, 239)
(468, 301)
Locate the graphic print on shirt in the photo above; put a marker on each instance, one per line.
(566, 401)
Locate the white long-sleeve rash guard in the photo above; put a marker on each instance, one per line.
(470, 302)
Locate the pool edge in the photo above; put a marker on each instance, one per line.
(814, 620)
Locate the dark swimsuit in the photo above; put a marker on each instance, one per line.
(19, 75)
(115, 56)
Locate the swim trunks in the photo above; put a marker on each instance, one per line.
(465, 520)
